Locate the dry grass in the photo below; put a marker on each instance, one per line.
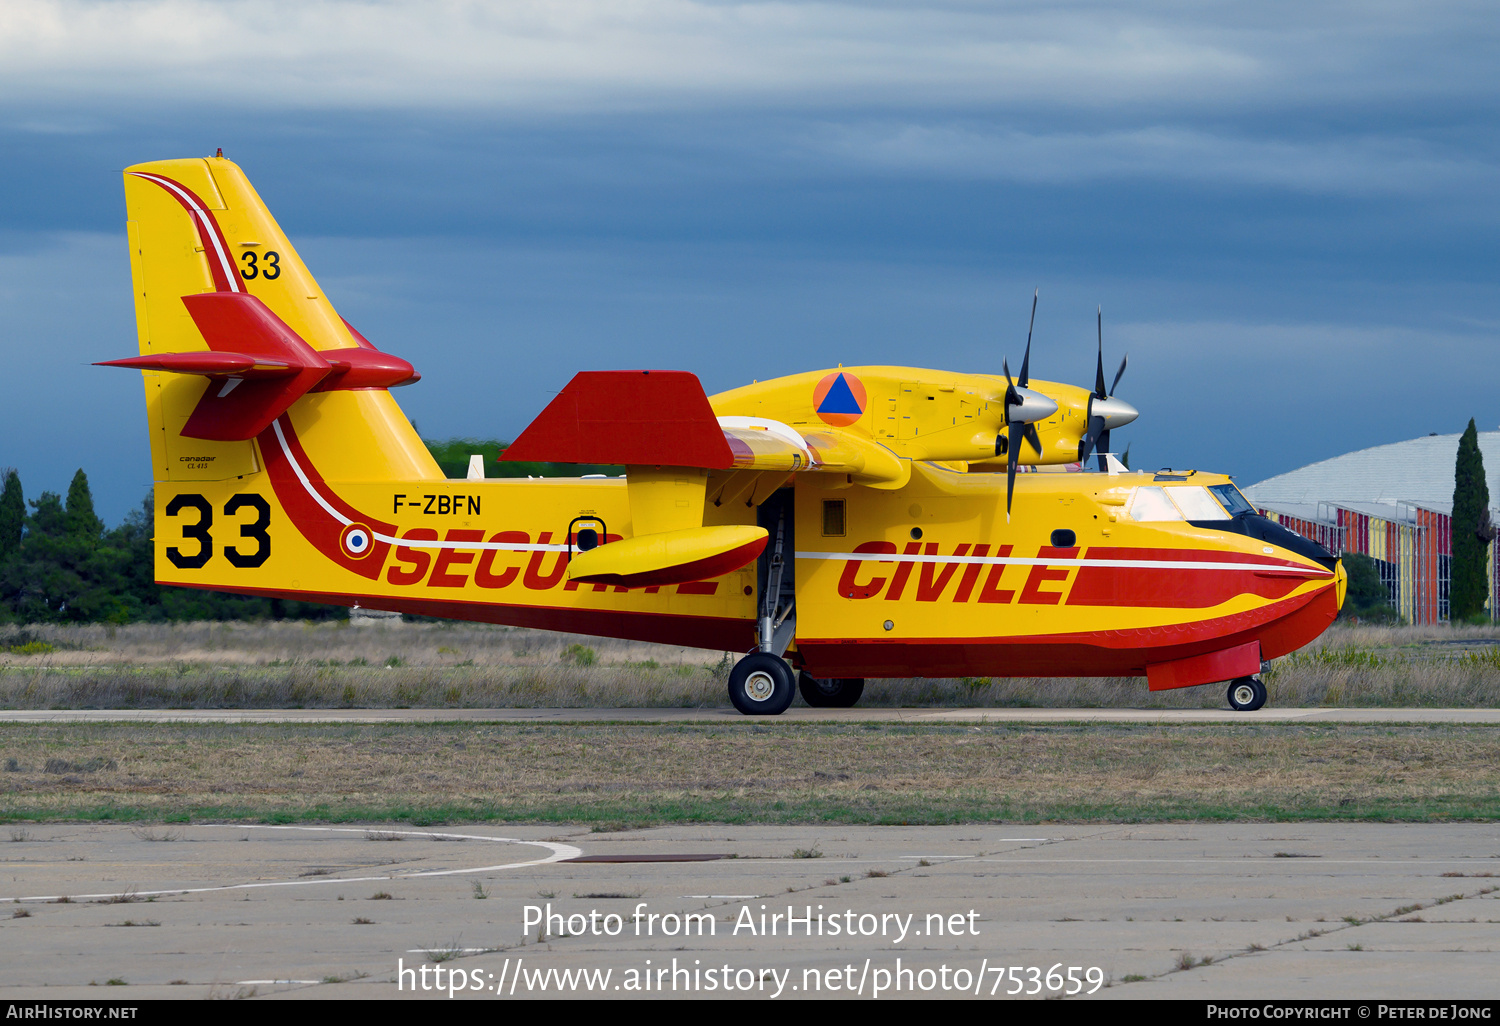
(789, 772)
(459, 665)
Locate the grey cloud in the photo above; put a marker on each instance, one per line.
(1361, 165)
(600, 54)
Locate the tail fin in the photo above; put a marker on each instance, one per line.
(221, 294)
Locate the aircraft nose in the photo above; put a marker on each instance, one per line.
(1116, 412)
(1340, 583)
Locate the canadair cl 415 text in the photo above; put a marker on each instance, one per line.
(835, 525)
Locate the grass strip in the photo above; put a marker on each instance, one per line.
(856, 773)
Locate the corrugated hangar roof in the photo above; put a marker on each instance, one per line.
(1419, 471)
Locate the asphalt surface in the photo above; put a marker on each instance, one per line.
(796, 714)
(1358, 911)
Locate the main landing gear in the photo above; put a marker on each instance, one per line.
(1246, 694)
(761, 685)
(834, 693)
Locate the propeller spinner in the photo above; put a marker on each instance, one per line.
(1105, 411)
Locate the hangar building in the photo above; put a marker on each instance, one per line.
(1393, 503)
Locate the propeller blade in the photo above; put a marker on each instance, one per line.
(1010, 469)
(1103, 448)
(1099, 367)
(1091, 438)
(1026, 360)
(1031, 435)
(1119, 373)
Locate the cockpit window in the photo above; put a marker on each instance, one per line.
(1151, 503)
(1233, 501)
(1196, 503)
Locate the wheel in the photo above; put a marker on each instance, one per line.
(834, 693)
(1246, 694)
(761, 685)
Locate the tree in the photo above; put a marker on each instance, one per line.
(1365, 596)
(82, 522)
(1472, 531)
(12, 514)
(452, 455)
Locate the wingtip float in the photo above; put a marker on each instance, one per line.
(835, 525)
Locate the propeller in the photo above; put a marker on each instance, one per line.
(1022, 408)
(1105, 411)
(1017, 404)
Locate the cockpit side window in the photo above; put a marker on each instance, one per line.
(1151, 503)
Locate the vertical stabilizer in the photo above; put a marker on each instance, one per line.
(197, 229)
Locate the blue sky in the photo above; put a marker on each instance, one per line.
(1287, 211)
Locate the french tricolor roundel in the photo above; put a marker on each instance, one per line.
(356, 541)
(840, 399)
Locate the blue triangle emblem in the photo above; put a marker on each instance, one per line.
(840, 399)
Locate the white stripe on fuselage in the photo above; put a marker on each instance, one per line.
(871, 557)
(406, 542)
(1156, 564)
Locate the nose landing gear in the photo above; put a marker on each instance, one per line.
(1246, 694)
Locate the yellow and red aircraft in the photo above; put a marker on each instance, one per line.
(835, 525)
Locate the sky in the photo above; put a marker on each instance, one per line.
(1287, 211)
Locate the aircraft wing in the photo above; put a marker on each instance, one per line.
(663, 418)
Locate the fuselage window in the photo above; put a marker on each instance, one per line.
(833, 518)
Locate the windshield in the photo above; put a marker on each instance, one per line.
(1196, 503)
(1233, 501)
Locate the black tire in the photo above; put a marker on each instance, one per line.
(1246, 694)
(761, 685)
(833, 693)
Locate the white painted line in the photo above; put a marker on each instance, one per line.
(1228, 860)
(1112, 564)
(725, 897)
(939, 856)
(560, 852)
(268, 983)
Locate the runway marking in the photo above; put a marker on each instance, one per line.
(560, 852)
(907, 857)
(1375, 860)
(725, 897)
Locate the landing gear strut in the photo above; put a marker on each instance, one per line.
(833, 693)
(1246, 694)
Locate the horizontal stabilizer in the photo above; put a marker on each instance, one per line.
(238, 365)
(258, 366)
(365, 368)
(672, 557)
(237, 322)
(646, 418)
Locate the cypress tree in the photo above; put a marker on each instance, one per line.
(81, 520)
(12, 514)
(1472, 533)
